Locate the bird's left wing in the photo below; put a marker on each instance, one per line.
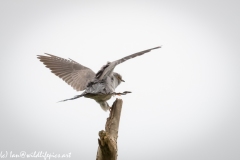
(109, 67)
(73, 73)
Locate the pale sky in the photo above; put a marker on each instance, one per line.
(184, 103)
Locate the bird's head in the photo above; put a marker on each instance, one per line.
(118, 78)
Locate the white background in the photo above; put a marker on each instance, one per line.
(185, 96)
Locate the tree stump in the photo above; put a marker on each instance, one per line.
(107, 149)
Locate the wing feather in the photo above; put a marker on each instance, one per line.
(109, 67)
(73, 73)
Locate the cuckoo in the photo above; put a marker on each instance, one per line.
(100, 86)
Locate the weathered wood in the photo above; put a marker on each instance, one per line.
(107, 149)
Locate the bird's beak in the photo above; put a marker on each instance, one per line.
(122, 80)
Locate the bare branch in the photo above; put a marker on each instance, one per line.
(107, 142)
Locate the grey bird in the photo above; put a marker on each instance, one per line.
(100, 86)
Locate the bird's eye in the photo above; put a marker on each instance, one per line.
(112, 79)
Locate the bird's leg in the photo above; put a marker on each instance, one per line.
(109, 107)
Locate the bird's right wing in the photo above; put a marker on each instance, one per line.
(133, 55)
(70, 71)
(109, 67)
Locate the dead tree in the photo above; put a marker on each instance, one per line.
(107, 149)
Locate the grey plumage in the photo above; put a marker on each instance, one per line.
(100, 86)
(73, 73)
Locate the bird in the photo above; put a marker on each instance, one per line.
(99, 87)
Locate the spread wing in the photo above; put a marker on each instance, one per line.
(73, 73)
(109, 67)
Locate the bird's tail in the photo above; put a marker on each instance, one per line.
(75, 97)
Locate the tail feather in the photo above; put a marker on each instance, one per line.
(75, 97)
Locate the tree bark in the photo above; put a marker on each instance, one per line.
(107, 149)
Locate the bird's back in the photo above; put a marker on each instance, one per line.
(99, 86)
